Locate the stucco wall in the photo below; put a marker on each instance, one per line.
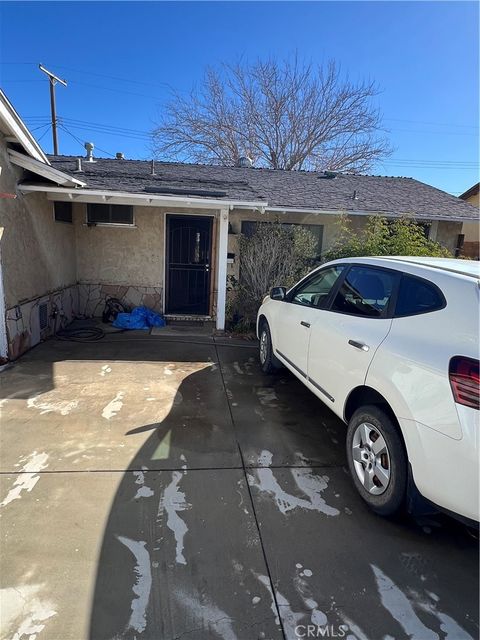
(447, 234)
(471, 231)
(121, 255)
(38, 254)
(38, 262)
(125, 262)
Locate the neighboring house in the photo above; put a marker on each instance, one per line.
(471, 230)
(162, 234)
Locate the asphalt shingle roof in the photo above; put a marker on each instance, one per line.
(289, 189)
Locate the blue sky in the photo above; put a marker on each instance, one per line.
(120, 59)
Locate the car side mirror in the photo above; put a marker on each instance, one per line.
(278, 293)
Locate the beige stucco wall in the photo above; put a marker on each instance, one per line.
(121, 255)
(474, 199)
(134, 257)
(471, 230)
(447, 234)
(38, 254)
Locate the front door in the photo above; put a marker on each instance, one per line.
(189, 245)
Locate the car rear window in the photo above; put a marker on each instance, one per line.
(417, 296)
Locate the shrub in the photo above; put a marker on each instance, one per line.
(382, 237)
(274, 255)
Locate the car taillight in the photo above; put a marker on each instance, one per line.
(465, 381)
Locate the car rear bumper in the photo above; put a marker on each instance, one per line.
(446, 471)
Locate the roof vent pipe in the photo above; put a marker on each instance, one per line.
(89, 146)
(79, 166)
(152, 170)
(119, 155)
(244, 162)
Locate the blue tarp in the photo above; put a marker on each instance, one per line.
(139, 318)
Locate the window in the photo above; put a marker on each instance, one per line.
(417, 296)
(62, 211)
(365, 292)
(109, 214)
(314, 291)
(248, 229)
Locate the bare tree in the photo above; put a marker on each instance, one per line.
(289, 115)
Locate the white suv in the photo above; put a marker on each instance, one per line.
(391, 346)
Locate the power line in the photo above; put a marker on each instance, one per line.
(45, 132)
(99, 75)
(47, 124)
(81, 143)
(167, 85)
(117, 134)
(108, 126)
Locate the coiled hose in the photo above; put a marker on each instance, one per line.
(81, 334)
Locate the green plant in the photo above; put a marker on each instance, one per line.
(382, 237)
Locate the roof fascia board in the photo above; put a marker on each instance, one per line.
(473, 191)
(46, 171)
(151, 200)
(141, 199)
(386, 214)
(19, 130)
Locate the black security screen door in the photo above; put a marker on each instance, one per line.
(189, 241)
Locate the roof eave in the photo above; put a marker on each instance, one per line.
(366, 212)
(43, 170)
(473, 191)
(19, 130)
(140, 199)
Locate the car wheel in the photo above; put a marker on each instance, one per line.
(268, 362)
(377, 460)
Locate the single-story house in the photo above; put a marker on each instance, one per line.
(76, 231)
(471, 230)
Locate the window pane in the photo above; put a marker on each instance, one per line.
(121, 214)
(417, 296)
(63, 211)
(315, 290)
(365, 292)
(98, 213)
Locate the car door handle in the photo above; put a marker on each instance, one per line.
(305, 324)
(359, 345)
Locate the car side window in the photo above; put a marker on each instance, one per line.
(315, 290)
(365, 291)
(416, 296)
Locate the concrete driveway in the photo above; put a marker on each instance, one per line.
(163, 488)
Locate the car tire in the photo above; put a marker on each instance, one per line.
(269, 363)
(377, 460)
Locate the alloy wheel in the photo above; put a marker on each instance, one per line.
(371, 458)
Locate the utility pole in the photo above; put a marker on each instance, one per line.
(53, 81)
